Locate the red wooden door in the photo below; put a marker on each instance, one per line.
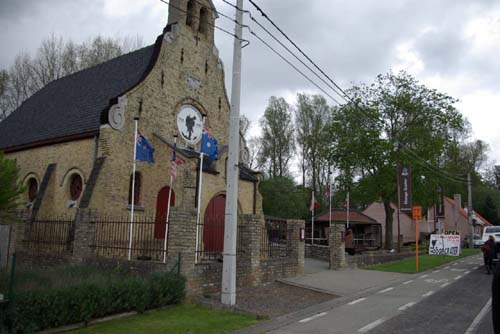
(161, 211)
(213, 224)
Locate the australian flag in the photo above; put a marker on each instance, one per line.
(144, 150)
(209, 146)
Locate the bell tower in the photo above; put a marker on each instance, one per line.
(197, 16)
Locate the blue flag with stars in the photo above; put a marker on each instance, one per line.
(144, 150)
(209, 146)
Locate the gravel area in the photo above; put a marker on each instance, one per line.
(271, 300)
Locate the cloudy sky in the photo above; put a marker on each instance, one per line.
(450, 45)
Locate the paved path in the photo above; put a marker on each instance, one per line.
(443, 298)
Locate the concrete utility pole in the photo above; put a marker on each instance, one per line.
(228, 296)
(469, 210)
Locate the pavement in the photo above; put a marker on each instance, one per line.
(372, 300)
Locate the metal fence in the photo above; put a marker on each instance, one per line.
(112, 238)
(275, 238)
(51, 235)
(211, 242)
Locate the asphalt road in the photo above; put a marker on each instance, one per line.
(450, 299)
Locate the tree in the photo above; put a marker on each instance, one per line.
(277, 147)
(282, 198)
(10, 188)
(54, 59)
(393, 120)
(312, 115)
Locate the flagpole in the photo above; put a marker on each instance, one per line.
(330, 200)
(312, 218)
(348, 208)
(199, 196)
(133, 195)
(167, 222)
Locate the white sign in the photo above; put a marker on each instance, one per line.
(190, 124)
(444, 244)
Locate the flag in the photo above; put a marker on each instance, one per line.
(209, 146)
(176, 161)
(144, 150)
(346, 202)
(314, 204)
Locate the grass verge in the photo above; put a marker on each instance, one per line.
(426, 262)
(186, 318)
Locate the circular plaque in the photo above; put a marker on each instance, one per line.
(190, 124)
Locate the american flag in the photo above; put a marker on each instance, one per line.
(176, 161)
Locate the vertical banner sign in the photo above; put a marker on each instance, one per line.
(440, 203)
(404, 175)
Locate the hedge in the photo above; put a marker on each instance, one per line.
(37, 310)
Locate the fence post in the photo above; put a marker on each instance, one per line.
(84, 234)
(250, 233)
(337, 247)
(297, 246)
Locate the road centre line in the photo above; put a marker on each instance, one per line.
(430, 293)
(406, 306)
(436, 271)
(485, 310)
(445, 284)
(447, 267)
(386, 290)
(313, 317)
(356, 301)
(467, 272)
(476, 268)
(372, 325)
(424, 276)
(408, 282)
(457, 278)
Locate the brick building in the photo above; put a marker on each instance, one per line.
(73, 140)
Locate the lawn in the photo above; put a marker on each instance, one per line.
(426, 262)
(183, 319)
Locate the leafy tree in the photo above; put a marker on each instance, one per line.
(54, 59)
(277, 147)
(283, 198)
(394, 119)
(10, 187)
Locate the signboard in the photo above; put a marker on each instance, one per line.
(404, 181)
(190, 124)
(444, 244)
(440, 203)
(417, 212)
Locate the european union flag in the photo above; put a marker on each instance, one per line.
(144, 150)
(209, 146)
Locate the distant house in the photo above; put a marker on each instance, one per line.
(367, 231)
(455, 218)
(376, 210)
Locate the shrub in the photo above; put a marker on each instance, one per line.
(57, 306)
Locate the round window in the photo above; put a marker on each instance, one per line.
(76, 186)
(32, 189)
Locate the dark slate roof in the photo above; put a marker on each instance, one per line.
(73, 104)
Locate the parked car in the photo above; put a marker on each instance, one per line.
(477, 242)
(494, 231)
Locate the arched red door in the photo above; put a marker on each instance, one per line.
(161, 211)
(213, 224)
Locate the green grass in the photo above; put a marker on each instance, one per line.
(182, 319)
(426, 262)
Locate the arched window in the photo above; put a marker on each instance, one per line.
(75, 187)
(137, 189)
(32, 189)
(190, 13)
(203, 20)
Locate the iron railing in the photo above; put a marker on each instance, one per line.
(211, 242)
(50, 235)
(275, 238)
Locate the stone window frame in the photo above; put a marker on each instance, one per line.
(190, 13)
(31, 176)
(75, 187)
(203, 21)
(66, 184)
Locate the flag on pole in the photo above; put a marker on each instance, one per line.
(176, 161)
(209, 146)
(314, 204)
(144, 150)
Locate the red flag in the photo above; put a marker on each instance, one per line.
(314, 204)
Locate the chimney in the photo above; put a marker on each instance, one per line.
(458, 201)
(456, 209)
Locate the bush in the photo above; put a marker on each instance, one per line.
(40, 309)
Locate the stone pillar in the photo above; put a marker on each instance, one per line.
(249, 242)
(83, 235)
(337, 247)
(297, 246)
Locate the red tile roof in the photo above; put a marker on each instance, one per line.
(464, 213)
(340, 215)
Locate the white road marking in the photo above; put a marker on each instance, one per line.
(467, 272)
(436, 281)
(457, 278)
(356, 301)
(372, 325)
(406, 306)
(454, 269)
(476, 268)
(479, 317)
(313, 317)
(447, 267)
(430, 293)
(445, 285)
(408, 282)
(454, 264)
(436, 271)
(386, 290)
(424, 276)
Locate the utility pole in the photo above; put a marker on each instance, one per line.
(469, 210)
(228, 296)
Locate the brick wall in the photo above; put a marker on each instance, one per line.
(318, 252)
